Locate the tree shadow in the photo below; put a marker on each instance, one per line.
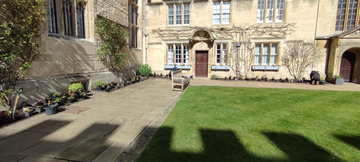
(353, 140)
(299, 148)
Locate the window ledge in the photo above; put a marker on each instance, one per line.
(182, 67)
(265, 68)
(220, 67)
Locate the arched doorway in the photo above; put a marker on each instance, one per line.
(347, 66)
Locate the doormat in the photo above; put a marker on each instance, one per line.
(75, 109)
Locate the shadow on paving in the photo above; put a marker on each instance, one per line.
(42, 141)
(350, 140)
(223, 145)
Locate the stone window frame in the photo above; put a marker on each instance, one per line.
(258, 57)
(172, 19)
(171, 54)
(133, 23)
(275, 8)
(220, 56)
(80, 20)
(55, 17)
(345, 12)
(221, 12)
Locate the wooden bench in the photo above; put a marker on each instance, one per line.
(178, 80)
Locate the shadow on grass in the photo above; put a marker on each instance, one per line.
(223, 145)
(299, 148)
(350, 140)
(219, 145)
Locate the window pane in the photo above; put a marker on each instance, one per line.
(216, 13)
(340, 18)
(270, 11)
(51, 17)
(218, 53)
(185, 55)
(178, 54)
(67, 17)
(265, 54)
(260, 10)
(186, 14)
(178, 15)
(273, 54)
(170, 54)
(80, 20)
(171, 15)
(257, 54)
(224, 54)
(280, 10)
(226, 13)
(352, 14)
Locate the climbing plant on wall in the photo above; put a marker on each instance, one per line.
(21, 23)
(111, 51)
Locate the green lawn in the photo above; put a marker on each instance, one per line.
(259, 124)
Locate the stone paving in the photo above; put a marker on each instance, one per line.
(113, 126)
(102, 131)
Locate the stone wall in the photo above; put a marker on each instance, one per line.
(67, 59)
(243, 13)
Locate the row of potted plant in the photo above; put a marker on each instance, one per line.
(51, 104)
(266, 79)
(100, 85)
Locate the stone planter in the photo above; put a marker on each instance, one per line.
(338, 81)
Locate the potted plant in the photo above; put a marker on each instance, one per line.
(38, 109)
(27, 113)
(63, 97)
(76, 87)
(83, 95)
(107, 89)
(154, 74)
(225, 78)
(99, 85)
(213, 77)
(338, 80)
(51, 109)
(322, 81)
(123, 83)
(230, 77)
(71, 98)
(53, 96)
(133, 80)
(57, 100)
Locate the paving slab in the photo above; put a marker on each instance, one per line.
(126, 133)
(42, 159)
(140, 122)
(113, 152)
(20, 142)
(121, 121)
(86, 150)
(11, 157)
(52, 145)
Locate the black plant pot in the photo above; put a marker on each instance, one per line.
(84, 97)
(98, 89)
(69, 101)
(107, 90)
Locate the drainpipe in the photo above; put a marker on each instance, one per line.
(316, 25)
(144, 34)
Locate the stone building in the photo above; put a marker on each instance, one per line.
(69, 44)
(200, 36)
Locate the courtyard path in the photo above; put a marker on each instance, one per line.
(107, 127)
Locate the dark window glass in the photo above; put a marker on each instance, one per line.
(51, 16)
(67, 17)
(80, 20)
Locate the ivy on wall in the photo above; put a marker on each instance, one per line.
(21, 23)
(111, 50)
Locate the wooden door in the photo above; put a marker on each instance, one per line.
(347, 66)
(201, 69)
